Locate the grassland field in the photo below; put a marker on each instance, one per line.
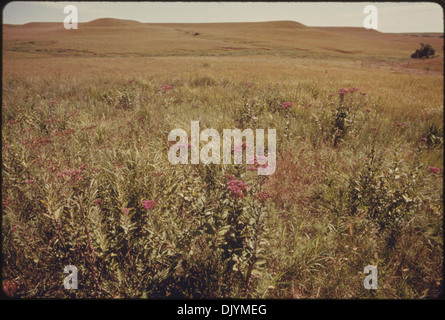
(86, 180)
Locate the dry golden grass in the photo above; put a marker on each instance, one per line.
(271, 50)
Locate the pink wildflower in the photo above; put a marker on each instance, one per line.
(352, 89)
(255, 164)
(424, 139)
(166, 87)
(237, 187)
(148, 204)
(342, 91)
(286, 105)
(36, 142)
(229, 177)
(118, 164)
(72, 174)
(10, 288)
(125, 211)
(373, 128)
(434, 169)
(263, 196)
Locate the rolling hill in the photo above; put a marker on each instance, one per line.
(113, 38)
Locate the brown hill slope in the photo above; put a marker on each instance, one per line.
(114, 37)
(110, 22)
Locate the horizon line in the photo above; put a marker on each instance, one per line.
(228, 22)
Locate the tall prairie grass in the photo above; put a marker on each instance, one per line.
(86, 181)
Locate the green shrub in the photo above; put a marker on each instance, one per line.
(386, 189)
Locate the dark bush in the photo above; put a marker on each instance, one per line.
(425, 51)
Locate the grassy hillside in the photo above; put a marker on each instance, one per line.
(111, 37)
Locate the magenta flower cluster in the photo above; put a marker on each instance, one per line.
(237, 187)
(166, 87)
(72, 174)
(286, 105)
(255, 164)
(148, 204)
(434, 169)
(343, 91)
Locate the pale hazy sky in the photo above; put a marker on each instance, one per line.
(392, 17)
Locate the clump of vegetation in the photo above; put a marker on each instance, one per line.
(425, 51)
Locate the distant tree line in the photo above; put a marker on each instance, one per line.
(425, 51)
